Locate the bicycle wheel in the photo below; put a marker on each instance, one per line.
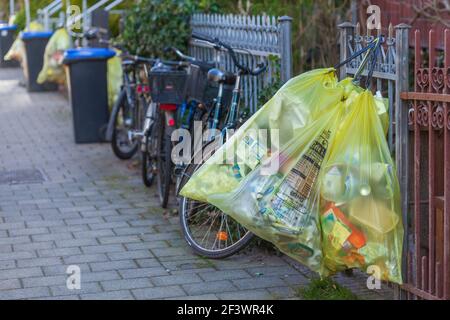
(149, 154)
(163, 162)
(207, 230)
(121, 144)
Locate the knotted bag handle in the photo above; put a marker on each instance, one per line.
(372, 51)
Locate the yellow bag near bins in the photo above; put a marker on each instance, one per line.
(114, 78)
(53, 69)
(303, 206)
(17, 50)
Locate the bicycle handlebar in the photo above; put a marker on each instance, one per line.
(261, 67)
(180, 54)
(152, 61)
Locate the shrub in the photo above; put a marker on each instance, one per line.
(152, 25)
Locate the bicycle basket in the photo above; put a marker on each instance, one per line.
(168, 86)
(198, 82)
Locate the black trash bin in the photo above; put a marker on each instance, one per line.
(35, 43)
(6, 40)
(88, 92)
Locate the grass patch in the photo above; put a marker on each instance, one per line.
(325, 289)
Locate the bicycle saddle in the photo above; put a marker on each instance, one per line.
(216, 75)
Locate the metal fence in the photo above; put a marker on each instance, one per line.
(262, 37)
(428, 229)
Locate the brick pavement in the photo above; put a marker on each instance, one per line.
(93, 211)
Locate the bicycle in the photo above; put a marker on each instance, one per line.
(207, 230)
(199, 98)
(168, 80)
(126, 119)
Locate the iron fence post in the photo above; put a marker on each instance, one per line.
(347, 31)
(401, 129)
(286, 47)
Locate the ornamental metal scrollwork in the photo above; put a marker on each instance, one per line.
(437, 79)
(437, 118)
(422, 114)
(422, 79)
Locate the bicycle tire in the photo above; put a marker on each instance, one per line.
(164, 163)
(148, 162)
(127, 154)
(187, 233)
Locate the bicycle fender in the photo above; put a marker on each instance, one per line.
(112, 117)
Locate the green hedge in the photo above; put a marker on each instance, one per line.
(152, 25)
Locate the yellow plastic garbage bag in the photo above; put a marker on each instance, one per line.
(291, 108)
(114, 70)
(53, 69)
(17, 50)
(305, 193)
(360, 196)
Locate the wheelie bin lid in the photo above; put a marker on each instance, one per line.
(7, 27)
(83, 54)
(27, 35)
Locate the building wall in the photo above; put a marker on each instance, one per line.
(405, 11)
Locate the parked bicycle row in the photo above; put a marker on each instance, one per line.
(159, 107)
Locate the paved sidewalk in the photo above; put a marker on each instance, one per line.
(91, 210)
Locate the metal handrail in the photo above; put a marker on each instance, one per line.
(11, 8)
(113, 4)
(96, 6)
(46, 12)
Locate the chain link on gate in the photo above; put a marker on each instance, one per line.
(259, 36)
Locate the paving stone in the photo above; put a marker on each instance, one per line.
(100, 276)
(209, 287)
(103, 248)
(7, 264)
(142, 272)
(158, 293)
(114, 265)
(127, 255)
(111, 295)
(125, 284)
(27, 293)
(85, 258)
(224, 275)
(17, 255)
(39, 262)
(259, 294)
(9, 284)
(76, 243)
(259, 282)
(175, 280)
(90, 287)
(44, 281)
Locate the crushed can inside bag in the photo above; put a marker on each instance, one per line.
(311, 172)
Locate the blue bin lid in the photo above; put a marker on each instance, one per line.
(35, 34)
(80, 54)
(7, 27)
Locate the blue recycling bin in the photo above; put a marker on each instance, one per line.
(35, 43)
(88, 92)
(7, 33)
